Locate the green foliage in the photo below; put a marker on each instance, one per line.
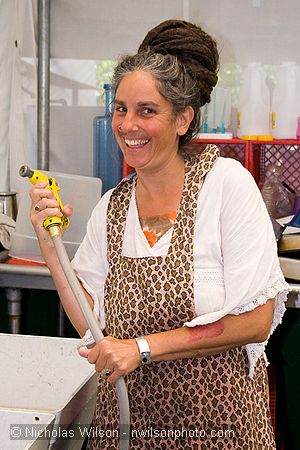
(230, 76)
(104, 72)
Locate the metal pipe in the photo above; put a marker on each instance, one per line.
(124, 432)
(14, 306)
(43, 115)
(295, 287)
(24, 270)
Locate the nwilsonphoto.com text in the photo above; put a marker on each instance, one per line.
(38, 431)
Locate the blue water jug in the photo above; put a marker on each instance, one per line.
(108, 158)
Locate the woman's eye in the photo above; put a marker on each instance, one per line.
(120, 109)
(148, 111)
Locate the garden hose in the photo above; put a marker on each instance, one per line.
(54, 224)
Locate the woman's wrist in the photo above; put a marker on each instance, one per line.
(144, 349)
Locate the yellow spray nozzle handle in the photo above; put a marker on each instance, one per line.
(35, 177)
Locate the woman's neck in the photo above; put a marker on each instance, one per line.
(160, 192)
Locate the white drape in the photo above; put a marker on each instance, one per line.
(13, 85)
(83, 32)
(20, 153)
(7, 25)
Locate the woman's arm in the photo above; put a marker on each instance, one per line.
(50, 207)
(203, 340)
(122, 356)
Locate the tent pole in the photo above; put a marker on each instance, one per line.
(43, 114)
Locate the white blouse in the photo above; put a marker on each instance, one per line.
(236, 267)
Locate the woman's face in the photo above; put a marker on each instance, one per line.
(144, 124)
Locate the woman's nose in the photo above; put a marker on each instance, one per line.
(128, 124)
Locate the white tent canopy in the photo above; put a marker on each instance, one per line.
(85, 31)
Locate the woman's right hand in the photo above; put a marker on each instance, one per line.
(43, 205)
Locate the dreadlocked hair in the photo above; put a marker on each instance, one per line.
(184, 60)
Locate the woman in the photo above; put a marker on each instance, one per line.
(181, 256)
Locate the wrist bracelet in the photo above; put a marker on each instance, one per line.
(144, 349)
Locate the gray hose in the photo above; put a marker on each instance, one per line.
(96, 333)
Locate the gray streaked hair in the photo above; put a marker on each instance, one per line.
(173, 83)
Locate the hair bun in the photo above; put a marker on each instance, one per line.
(196, 50)
(158, 39)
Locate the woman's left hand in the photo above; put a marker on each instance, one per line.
(120, 356)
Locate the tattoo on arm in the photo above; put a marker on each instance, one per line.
(206, 331)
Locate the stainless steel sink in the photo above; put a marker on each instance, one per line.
(290, 267)
(3, 256)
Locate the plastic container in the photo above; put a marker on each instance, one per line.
(298, 129)
(46, 375)
(296, 207)
(108, 158)
(253, 108)
(24, 430)
(82, 192)
(279, 201)
(286, 102)
(8, 204)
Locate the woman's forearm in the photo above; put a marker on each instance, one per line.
(44, 205)
(232, 331)
(204, 340)
(69, 302)
(63, 289)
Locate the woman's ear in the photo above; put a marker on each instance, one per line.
(184, 119)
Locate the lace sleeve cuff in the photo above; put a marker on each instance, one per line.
(279, 291)
(86, 340)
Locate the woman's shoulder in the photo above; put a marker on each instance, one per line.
(98, 216)
(113, 198)
(107, 196)
(230, 171)
(229, 179)
(231, 164)
(104, 201)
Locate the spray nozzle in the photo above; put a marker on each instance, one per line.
(37, 177)
(25, 171)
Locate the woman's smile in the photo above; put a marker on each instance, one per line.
(143, 122)
(135, 144)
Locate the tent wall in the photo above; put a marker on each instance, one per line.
(86, 31)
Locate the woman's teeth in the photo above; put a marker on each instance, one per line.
(136, 142)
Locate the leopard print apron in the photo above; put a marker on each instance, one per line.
(196, 403)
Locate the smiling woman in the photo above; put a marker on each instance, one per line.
(145, 126)
(186, 307)
(195, 293)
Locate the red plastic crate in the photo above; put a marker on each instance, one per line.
(287, 152)
(229, 148)
(255, 156)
